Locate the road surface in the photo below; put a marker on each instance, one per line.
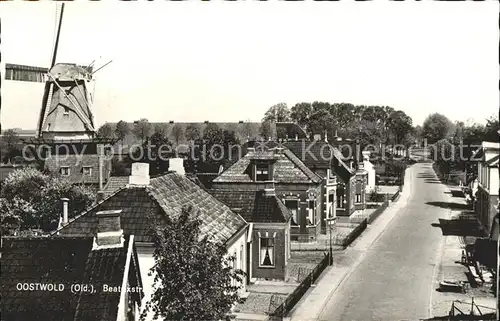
(394, 280)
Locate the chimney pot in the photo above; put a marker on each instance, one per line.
(176, 165)
(109, 231)
(139, 174)
(65, 210)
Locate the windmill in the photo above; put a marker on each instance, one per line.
(66, 111)
(66, 120)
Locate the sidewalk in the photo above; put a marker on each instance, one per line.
(449, 268)
(312, 304)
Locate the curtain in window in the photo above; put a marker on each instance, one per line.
(266, 251)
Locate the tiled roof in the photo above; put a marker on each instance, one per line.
(65, 261)
(254, 206)
(115, 183)
(166, 194)
(319, 154)
(287, 168)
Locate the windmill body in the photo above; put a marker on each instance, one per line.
(67, 114)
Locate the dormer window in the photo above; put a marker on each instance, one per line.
(87, 170)
(262, 172)
(64, 170)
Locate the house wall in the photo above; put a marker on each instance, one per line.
(287, 192)
(239, 249)
(350, 195)
(494, 181)
(281, 256)
(370, 184)
(146, 262)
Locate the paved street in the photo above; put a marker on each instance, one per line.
(394, 280)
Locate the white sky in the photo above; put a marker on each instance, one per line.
(196, 61)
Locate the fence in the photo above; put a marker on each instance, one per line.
(377, 212)
(300, 290)
(396, 195)
(355, 233)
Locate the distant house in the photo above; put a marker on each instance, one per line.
(42, 278)
(486, 198)
(343, 184)
(269, 232)
(295, 185)
(144, 202)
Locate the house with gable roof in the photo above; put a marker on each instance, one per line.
(269, 232)
(162, 196)
(344, 186)
(294, 183)
(41, 277)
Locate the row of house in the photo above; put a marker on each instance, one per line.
(270, 196)
(483, 184)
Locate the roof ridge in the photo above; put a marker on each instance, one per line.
(89, 209)
(300, 164)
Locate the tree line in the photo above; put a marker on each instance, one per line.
(369, 124)
(452, 143)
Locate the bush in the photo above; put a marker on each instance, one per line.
(376, 196)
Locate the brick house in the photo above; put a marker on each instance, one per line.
(104, 262)
(130, 205)
(295, 185)
(343, 189)
(486, 198)
(269, 232)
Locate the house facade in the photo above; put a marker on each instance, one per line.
(486, 198)
(106, 264)
(295, 185)
(144, 203)
(268, 239)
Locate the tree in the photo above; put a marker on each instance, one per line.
(121, 131)
(265, 130)
(213, 139)
(194, 279)
(300, 113)
(192, 132)
(32, 199)
(400, 125)
(491, 129)
(320, 121)
(277, 113)
(436, 127)
(10, 140)
(106, 131)
(142, 129)
(246, 131)
(343, 113)
(178, 133)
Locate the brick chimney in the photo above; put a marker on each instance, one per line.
(100, 196)
(139, 175)
(176, 165)
(109, 231)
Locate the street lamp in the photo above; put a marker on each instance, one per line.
(331, 222)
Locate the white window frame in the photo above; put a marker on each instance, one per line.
(311, 212)
(65, 168)
(261, 171)
(273, 259)
(89, 168)
(298, 208)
